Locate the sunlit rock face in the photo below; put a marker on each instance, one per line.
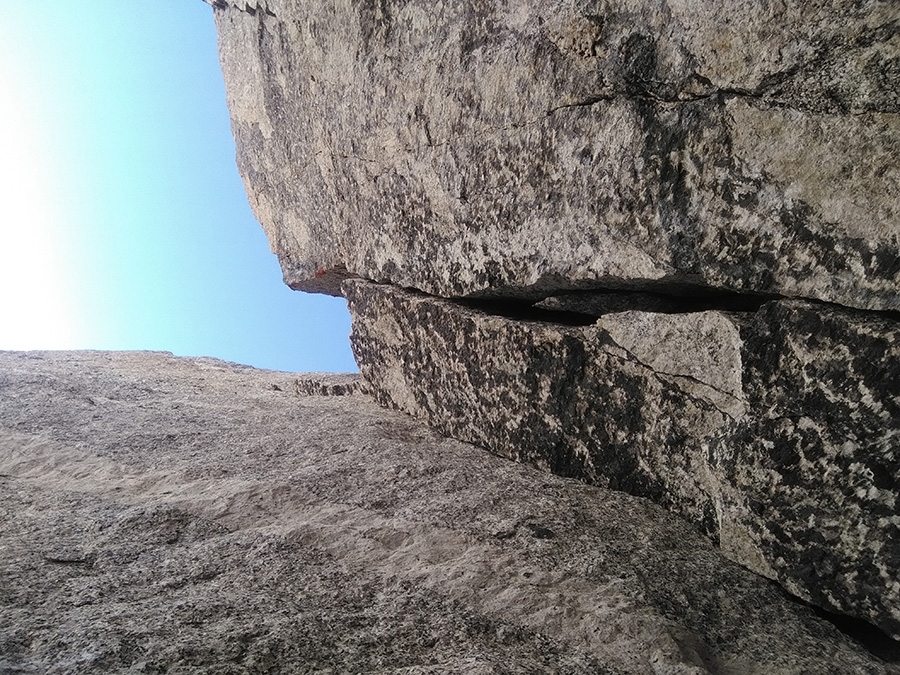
(654, 245)
(164, 514)
(519, 146)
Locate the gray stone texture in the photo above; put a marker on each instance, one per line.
(774, 431)
(330, 384)
(703, 197)
(522, 147)
(176, 515)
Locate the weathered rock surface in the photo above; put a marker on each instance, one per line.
(775, 431)
(189, 515)
(523, 147)
(605, 158)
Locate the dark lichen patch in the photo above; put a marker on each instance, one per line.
(670, 132)
(479, 31)
(817, 468)
(717, 225)
(799, 361)
(638, 58)
(809, 466)
(540, 532)
(375, 21)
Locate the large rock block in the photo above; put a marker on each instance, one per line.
(522, 147)
(193, 516)
(775, 431)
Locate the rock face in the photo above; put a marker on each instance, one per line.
(517, 147)
(651, 244)
(189, 515)
(758, 427)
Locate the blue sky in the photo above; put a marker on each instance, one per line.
(123, 221)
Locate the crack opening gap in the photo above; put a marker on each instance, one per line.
(675, 300)
(870, 637)
(583, 307)
(523, 310)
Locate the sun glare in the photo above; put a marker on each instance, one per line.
(34, 308)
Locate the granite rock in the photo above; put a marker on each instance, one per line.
(650, 244)
(775, 431)
(520, 148)
(330, 384)
(177, 515)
